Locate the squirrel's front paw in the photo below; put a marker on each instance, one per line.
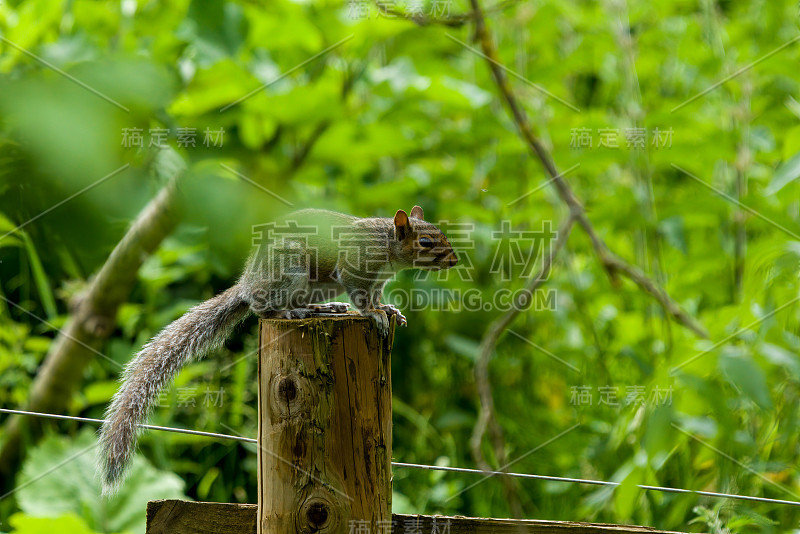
(392, 310)
(381, 320)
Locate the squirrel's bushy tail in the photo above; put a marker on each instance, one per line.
(201, 329)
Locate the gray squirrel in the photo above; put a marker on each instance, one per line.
(313, 257)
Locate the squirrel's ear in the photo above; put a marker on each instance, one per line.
(402, 225)
(416, 212)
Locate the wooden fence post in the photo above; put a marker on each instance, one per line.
(325, 425)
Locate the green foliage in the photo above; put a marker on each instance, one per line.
(25, 524)
(58, 479)
(400, 114)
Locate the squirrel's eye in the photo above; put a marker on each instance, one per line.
(426, 242)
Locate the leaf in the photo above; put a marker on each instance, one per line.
(780, 356)
(464, 346)
(791, 143)
(212, 88)
(787, 172)
(743, 372)
(255, 128)
(100, 392)
(657, 433)
(40, 278)
(215, 29)
(25, 524)
(8, 238)
(204, 486)
(402, 504)
(320, 101)
(268, 28)
(673, 231)
(400, 75)
(7, 229)
(628, 492)
(456, 94)
(59, 478)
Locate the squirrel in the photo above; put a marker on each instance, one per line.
(314, 257)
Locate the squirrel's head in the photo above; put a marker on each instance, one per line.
(421, 244)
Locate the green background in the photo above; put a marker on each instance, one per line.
(403, 114)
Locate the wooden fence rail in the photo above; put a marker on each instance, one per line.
(185, 517)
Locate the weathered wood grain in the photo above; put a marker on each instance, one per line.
(325, 425)
(185, 517)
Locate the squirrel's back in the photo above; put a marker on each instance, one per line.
(316, 236)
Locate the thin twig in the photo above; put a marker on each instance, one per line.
(612, 263)
(486, 417)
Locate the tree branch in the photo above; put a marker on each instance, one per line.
(92, 321)
(486, 417)
(612, 263)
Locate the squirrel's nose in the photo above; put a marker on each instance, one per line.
(453, 259)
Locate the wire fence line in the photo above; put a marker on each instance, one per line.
(466, 470)
(148, 427)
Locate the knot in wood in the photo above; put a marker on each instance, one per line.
(287, 389)
(288, 395)
(98, 325)
(317, 513)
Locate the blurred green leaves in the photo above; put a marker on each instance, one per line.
(59, 478)
(398, 115)
(26, 524)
